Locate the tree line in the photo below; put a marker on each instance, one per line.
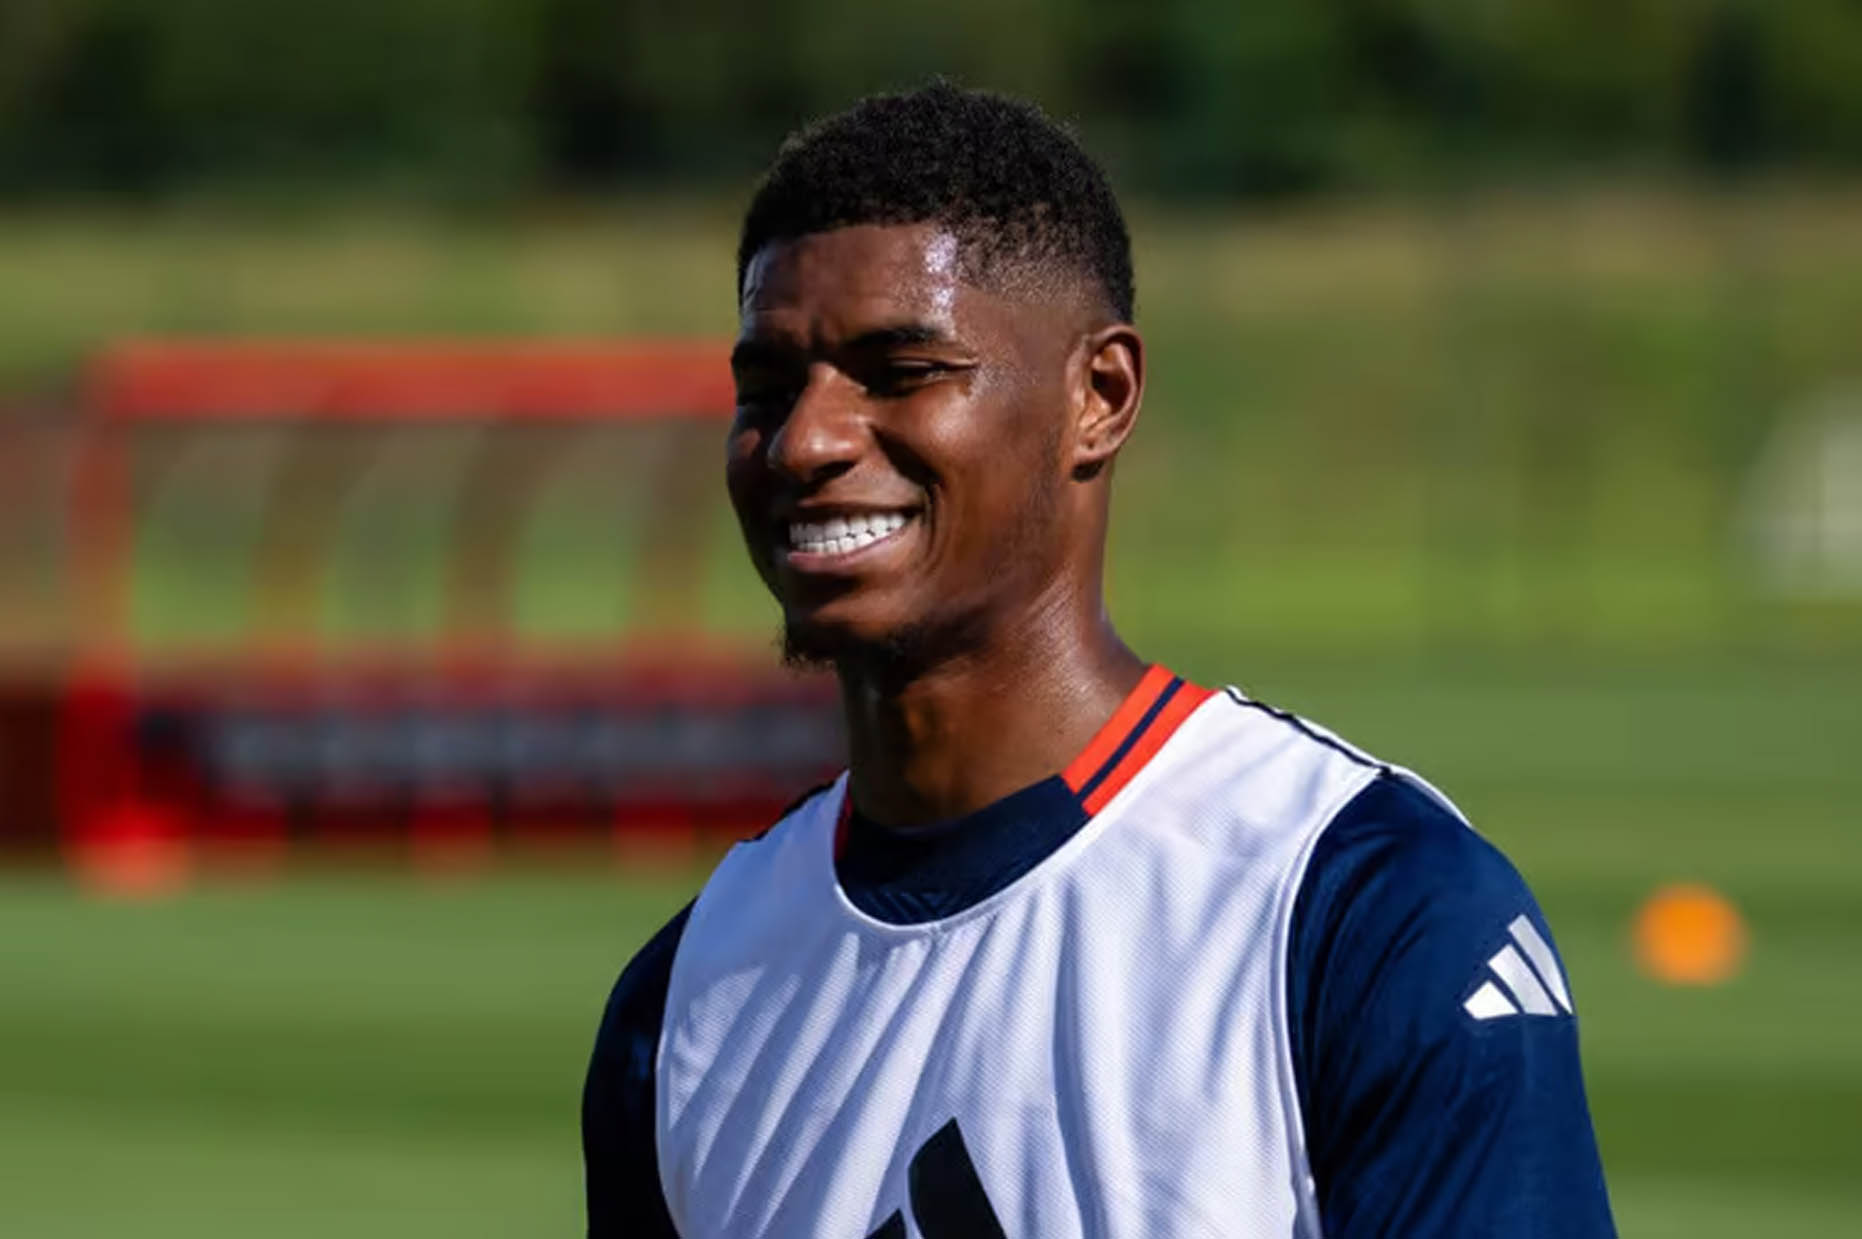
(1185, 97)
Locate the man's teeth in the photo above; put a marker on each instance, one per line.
(837, 535)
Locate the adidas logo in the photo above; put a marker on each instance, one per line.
(947, 1196)
(1535, 988)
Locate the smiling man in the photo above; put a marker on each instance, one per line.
(1076, 947)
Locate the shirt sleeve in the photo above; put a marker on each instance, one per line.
(1434, 1043)
(620, 1153)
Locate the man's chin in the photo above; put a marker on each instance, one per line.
(890, 652)
(811, 644)
(811, 647)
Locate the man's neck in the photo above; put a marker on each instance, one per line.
(953, 737)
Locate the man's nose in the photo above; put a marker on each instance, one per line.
(824, 431)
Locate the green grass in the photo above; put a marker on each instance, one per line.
(378, 1055)
(343, 1055)
(1465, 488)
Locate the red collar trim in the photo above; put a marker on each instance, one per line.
(1140, 726)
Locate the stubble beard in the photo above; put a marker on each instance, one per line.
(898, 657)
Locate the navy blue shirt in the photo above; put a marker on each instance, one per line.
(1420, 1119)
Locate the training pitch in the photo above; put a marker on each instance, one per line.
(377, 1054)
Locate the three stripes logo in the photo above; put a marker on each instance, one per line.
(947, 1197)
(1525, 979)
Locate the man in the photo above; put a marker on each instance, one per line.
(1075, 948)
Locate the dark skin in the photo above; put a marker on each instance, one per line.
(880, 380)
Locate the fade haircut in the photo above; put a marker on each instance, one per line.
(1011, 185)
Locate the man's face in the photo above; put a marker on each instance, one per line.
(896, 461)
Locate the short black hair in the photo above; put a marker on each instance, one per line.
(1007, 181)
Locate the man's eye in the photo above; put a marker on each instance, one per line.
(898, 376)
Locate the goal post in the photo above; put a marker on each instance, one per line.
(440, 597)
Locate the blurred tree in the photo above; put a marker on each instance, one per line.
(79, 96)
(1725, 102)
(1187, 96)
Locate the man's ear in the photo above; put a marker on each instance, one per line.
(1110, 371)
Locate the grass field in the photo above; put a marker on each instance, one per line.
(1466, 484)
(371, 1055)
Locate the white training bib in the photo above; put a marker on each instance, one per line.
(1107, 1034)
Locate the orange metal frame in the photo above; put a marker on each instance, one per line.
(155, 380)
(145, 382)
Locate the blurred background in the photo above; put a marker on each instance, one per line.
(378, 669)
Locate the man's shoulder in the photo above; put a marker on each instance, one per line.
(1248, 781)
(777, 858)
(639, 995)
(1373, 839)
(644, 981)
(1423, 988)
(794, 810)
(1289, 736)
(1402, 898)
(1401, 843)
(1373, 804)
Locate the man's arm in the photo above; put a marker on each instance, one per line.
(1434, 1045)
(619, 1146)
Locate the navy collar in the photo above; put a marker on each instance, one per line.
(929, 873)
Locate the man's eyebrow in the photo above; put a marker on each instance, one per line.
(769, 351)
(757, 351)
(902, 335)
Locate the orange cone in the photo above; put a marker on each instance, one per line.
(1688, 934)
